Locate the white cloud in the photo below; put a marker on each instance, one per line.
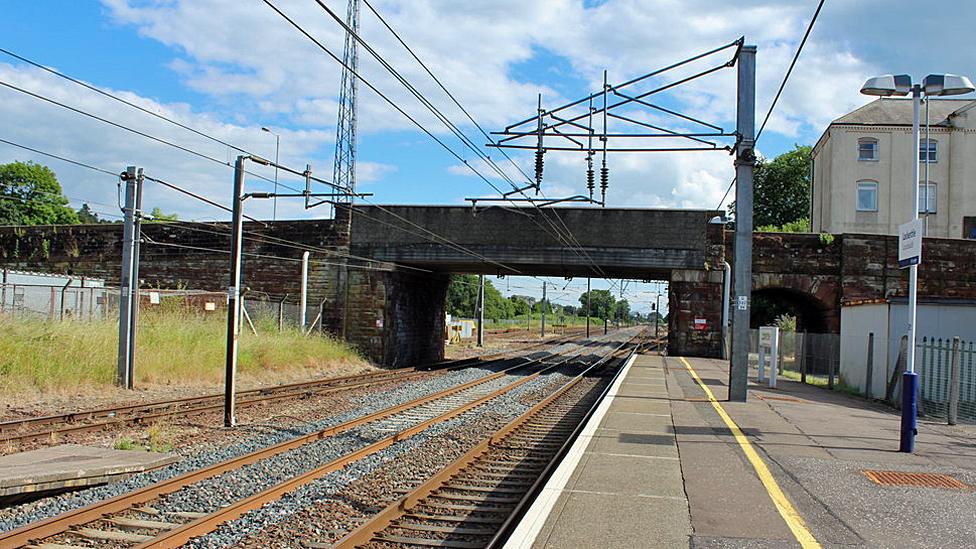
(253, 62)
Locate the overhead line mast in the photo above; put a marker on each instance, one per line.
(344, 169)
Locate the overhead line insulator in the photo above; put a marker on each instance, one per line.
(538, 165)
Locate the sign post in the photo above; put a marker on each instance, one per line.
(768, 347)
(910, 243)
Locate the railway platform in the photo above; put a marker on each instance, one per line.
(668, 462)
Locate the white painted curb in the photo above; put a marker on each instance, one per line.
(535, 518)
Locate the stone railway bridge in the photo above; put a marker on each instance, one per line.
(389, 298)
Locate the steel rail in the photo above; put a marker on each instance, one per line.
(366, 532)
(506, 529)
(97, 511)
(182, 406)
(202, 526)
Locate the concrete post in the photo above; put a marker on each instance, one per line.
(303, 298)
(543, 309)
(742, 269)
(954, 380)
(869, 377)
(281, 313)
(125, 280)
(481, 311)
(234, 295)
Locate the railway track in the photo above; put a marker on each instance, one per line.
(476, 500)
(151, 517)
(53, 427)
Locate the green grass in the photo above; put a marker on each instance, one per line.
(172, 348)
(821, 381)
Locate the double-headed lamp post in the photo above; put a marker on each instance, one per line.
(274, 204)
(931, 85)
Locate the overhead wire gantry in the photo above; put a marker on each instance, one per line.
(583, 125)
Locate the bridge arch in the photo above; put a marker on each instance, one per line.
(811, 300)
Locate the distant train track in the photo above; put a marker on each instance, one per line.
(53, 427)
(141, 517)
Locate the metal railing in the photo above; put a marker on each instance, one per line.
(947, 378)
(62, 303)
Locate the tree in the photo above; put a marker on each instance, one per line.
(157, 215)
(31, 195)
(496, 306)
(462, 295)
(782, 188)
(520, 305)
(621, 310)
(88, 216)
(601, 303)
(462, 299)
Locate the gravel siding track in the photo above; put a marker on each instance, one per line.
(327, 508)
(415, 459)
(17, 516)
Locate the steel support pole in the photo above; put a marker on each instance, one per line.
(134, 287)
(125, 280)
(745, 161)
(234, 295)
(657, 314)
(909, 402)
(543, 309)
(587, 307)
(481, 310)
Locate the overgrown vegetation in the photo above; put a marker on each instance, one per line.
(30, 194)
(781, 188)
(173, 349)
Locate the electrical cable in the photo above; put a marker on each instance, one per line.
(789, 71)
(390, 101)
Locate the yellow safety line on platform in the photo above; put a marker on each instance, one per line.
(783, 505)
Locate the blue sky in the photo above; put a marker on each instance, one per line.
(229, 67)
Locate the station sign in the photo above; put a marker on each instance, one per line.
(910, 243)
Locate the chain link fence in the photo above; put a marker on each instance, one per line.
(64, 303)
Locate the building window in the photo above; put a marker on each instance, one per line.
(927, 191)
(867, 148)
(867, 196)
(928, 150)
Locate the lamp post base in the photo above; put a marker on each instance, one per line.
(909, 411)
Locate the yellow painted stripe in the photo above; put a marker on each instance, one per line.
(783, 505)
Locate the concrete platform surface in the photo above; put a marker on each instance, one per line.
(621, 484)
(817, 445)
(663, 466)
(72, 465)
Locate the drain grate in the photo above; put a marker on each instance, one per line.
(922, 480)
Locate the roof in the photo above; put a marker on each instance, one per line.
(889, 111)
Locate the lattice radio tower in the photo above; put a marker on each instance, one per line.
(344, 169)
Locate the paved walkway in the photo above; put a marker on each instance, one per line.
(621, 485)
(668, 467)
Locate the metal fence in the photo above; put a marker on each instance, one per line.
(51, 302)
(803, 356)
(947, 378)
(65, 303)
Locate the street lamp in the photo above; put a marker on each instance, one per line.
(274, 205)
(931, 85)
